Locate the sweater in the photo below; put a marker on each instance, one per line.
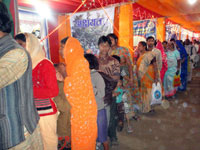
(98, 88)
(45, 87)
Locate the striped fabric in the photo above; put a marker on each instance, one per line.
(12, 65)
(17, 107)
(32, 142)
(43, 106)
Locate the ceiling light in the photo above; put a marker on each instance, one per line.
(42, 9)
(191, 2)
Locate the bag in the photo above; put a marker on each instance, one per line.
(177, 81)
(156, 94)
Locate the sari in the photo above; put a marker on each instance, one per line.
(184, 66)
(79, 92)
(164, 60)
(123, 52)
(172, 57)
(146, 77)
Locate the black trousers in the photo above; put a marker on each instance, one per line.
(112, 133)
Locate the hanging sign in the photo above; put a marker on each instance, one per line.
(172, 31)
(89, 26)
(143, 29)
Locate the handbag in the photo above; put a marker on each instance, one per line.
(177, 81)
(156, 94)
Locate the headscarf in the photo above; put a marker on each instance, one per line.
(79, 92)
(72, 52)
(184, 65)
(35, 49)
(146, 61)
(182, 49)
(164, 60)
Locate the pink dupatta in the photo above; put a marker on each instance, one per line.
(164, 60)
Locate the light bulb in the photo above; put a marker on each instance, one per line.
(42, 9)
(191, 2)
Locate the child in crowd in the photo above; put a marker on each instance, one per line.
(99, 92)
(120, 105)
(64, 108)
(121, 97)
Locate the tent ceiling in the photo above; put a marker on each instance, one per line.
(179, 11)
(68, 6)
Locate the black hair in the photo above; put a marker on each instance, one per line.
(164, 42)
(55, 65)
(116, 57)
(21, 37)
(144, 44)
(5, 22)
(155, 43)
(63, 41)
(93, 61)
(104, 39)
(172, 40)
(172, 45)
(112, 35)
(150, 37)
(187, 40)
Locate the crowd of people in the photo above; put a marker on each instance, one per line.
(83, 102)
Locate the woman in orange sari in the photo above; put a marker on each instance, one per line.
(146, 66)
(79, 92)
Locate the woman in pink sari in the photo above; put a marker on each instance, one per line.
(164, 60)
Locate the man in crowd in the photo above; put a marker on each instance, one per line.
(192, 52)
(158, 57)
(18, 116)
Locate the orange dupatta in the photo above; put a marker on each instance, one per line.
(79, 91)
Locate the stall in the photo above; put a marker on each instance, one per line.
(131, 20)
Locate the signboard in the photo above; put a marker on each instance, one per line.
(143, 29)
(89, 26)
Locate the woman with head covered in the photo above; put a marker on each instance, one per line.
(45, 88)
(79, 92)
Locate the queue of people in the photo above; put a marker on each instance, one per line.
(80, 104)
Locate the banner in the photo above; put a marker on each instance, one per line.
(143, 29)
(186, 34)
(172, 31)
(89, 26)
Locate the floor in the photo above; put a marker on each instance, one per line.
(175, 128)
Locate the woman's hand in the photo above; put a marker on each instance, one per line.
(59, 76)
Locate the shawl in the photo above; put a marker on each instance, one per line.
(35, 49)
(164, 60)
